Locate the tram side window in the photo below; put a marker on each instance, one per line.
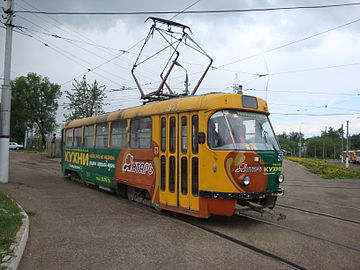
(118, 134)
(89, 136)
(195, 176)
(194, 133)
(163, 173)
(78, 136)
(163, 134)
(184, 136)
(68, 137)
(172, 174)
(141, 133)
(102, 135)
(172, 142)
(184, 176)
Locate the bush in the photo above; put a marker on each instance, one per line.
(326, 169)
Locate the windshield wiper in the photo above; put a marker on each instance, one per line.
(266, 140)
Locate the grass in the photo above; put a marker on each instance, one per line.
(327, 170)
(10, 222)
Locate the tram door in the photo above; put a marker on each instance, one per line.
(179, 161)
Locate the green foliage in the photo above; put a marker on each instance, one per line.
(87, 100)
(10, 222)
(34, 104)
(328, 145)
(289, 142)
(326, 169)
(355, 142)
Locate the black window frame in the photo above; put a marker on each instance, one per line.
(90, 127)
(195, 134)
(103, 136)
(163, 134)
(137, 134)
(172, 135)
(121, 137)
(67, 142)
(76, 142)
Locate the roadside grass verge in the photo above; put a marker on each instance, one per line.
(327, 170)
(10, 222)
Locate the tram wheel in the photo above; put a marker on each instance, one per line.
(139, 195)
(130, 193)
(73, 176)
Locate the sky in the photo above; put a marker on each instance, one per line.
(304, 62)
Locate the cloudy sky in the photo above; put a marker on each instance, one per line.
(311, 83)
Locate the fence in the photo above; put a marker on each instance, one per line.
(53, 148)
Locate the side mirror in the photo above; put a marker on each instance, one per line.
(201, 137)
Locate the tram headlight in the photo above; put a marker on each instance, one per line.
(246, 180)
(281, 178)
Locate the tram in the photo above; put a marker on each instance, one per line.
(354, 156)
(198, 155)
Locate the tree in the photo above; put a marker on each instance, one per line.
(289, 142)
(34, 103)
(86, 100)
(332, 133)
(355, 142)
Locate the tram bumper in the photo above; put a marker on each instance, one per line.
(241, 195)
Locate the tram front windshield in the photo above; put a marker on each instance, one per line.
(238, 130)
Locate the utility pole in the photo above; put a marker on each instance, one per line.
(6, 98)
(347, 145)
(237, 88)
(342, 143)
(299, 143)
(324, 143)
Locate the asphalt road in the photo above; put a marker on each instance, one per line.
(77, 227)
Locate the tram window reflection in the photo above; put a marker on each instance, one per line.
(238, 130)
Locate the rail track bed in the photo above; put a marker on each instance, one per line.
(96, 230)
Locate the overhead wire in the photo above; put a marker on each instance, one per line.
(93, 43)
(67, 38)
(193, 4)
(104, 63)
(76, 45)
(214, 68)
(218, 11)
(72, 57)
(307, 92)
(308, 69)
(316, 115)
(290, 43)
(65, 29)
(328, 107)
(292, 71)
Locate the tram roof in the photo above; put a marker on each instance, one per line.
(183, 104)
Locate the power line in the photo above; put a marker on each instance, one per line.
(219, 11)
(313, 69)
(306, 92)
(291, 71)
(104, 63)
(66, 30)
(314, 107)
(320, 115)
(72, 57)
(66, 38)
(75, 56)
(290, 43)
(181, 12)
(213, 68)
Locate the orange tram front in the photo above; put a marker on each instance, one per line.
(201, 155)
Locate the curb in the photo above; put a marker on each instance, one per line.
(12, 262)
